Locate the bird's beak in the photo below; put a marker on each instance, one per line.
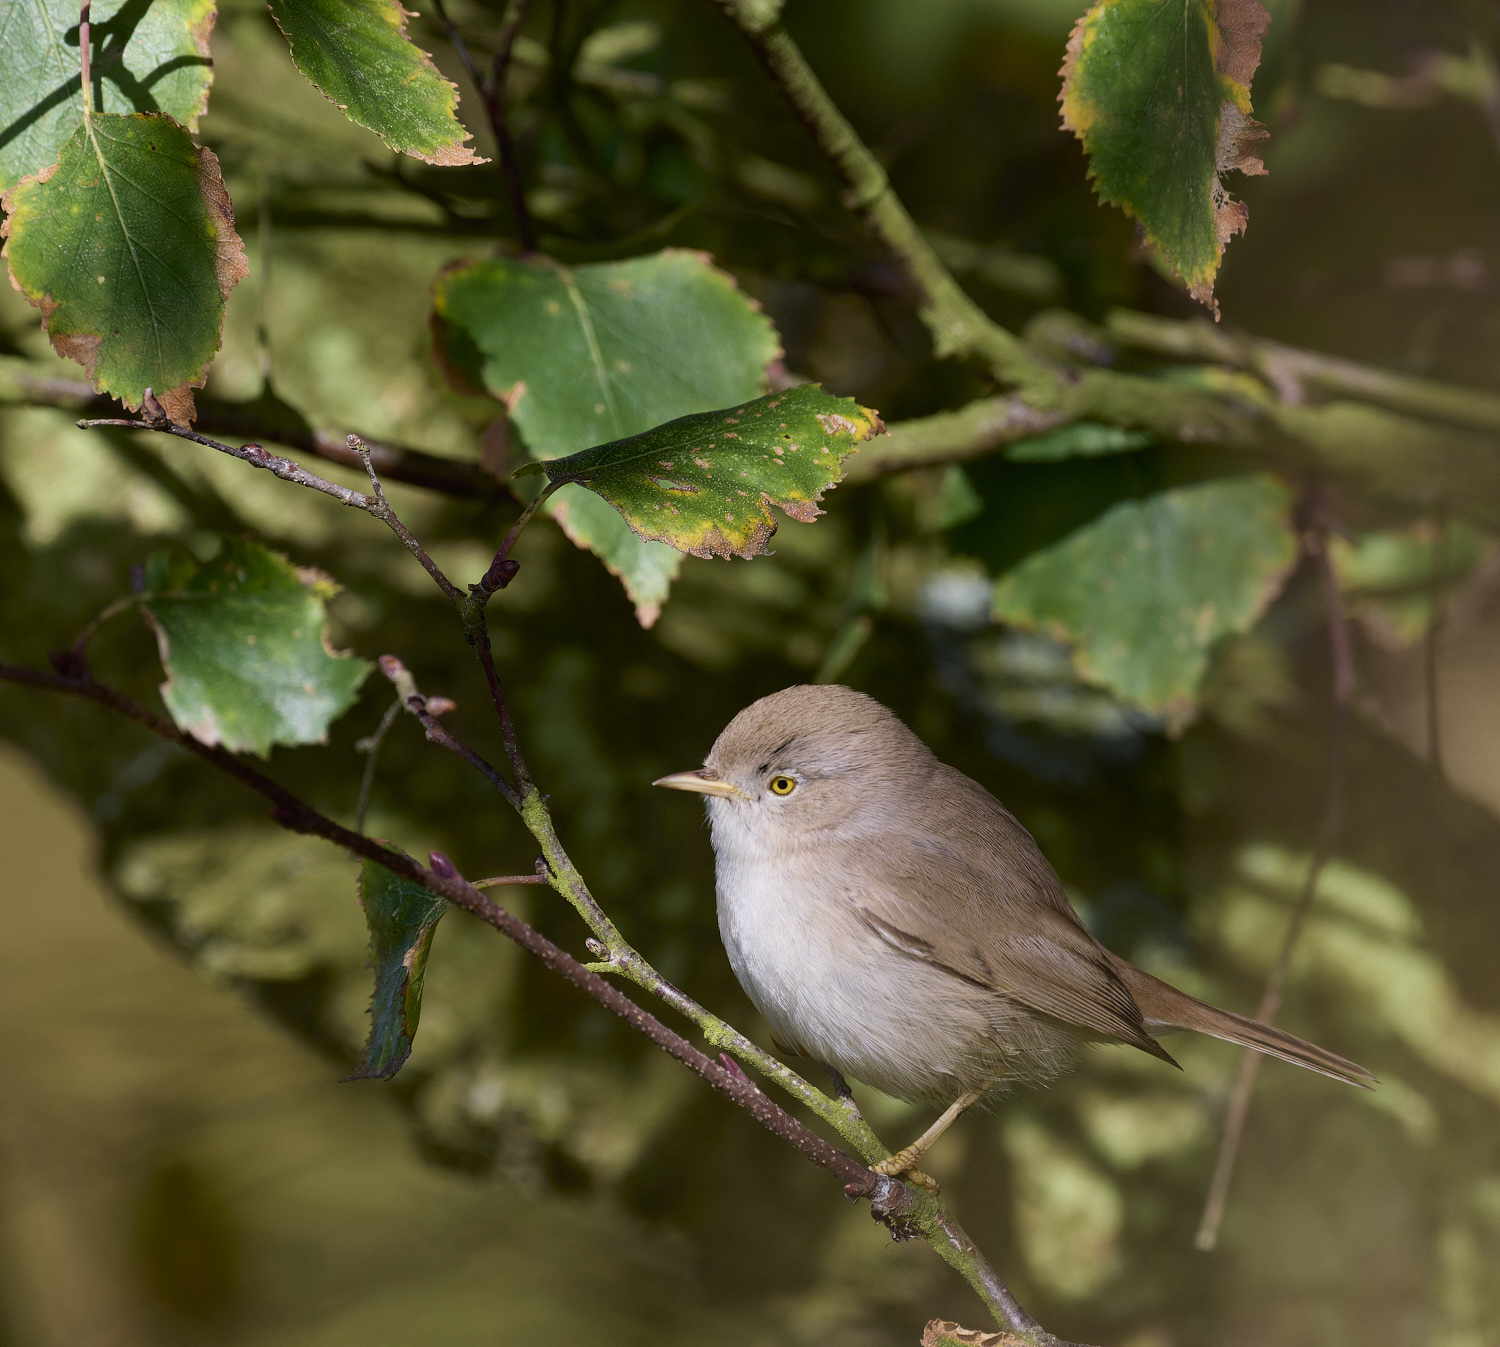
(703, 781)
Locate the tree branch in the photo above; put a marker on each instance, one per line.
(265, 420)
(298, 816)
(1315, 542)
(959, 327)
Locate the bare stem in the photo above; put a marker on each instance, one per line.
(371, 748)
(504, 881)
(381, 509)
(492, 94)
(1315, 542)
(417, 704)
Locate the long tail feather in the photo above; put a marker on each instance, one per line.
(1164, 1007)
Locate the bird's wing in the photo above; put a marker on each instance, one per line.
(974, 896)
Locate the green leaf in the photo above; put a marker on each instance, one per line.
(705, 484)
(597, 353)
(646, 569)
(1144, 592)
(358, 55)
(402, 918)
(146, 58)
(1082, 439)
(242, 642)
(128, 248)
(1158, 91)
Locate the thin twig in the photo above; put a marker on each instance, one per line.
(371, 748)
(1431, 639)
(383, 511)
(252, 454)
(409, 697)
(78, 656)
(492, 95)
(250, 421)
(1315, 541)
(502, 569)
(263, 280)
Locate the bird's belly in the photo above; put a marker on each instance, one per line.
(831, 988)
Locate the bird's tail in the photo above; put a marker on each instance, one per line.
(1164, 1007)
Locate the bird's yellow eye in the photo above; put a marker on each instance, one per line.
(782, 785)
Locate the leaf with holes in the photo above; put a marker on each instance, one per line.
(1144, 592)
(146, 58)
(1158, 91)
(585, 355)
(402, 918)
(705, 484)
(242, 641)
(359, 56)
(127, 246)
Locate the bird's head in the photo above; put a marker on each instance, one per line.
(806, 760)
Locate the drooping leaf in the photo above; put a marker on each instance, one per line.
(402, 918)
(146, 58)
(646, 569)
(1158, 91)
(592, 354)
(242, 642)
(128, 248)
(359, 56)
(1082, 439)
(1144, 592)
(705, 484)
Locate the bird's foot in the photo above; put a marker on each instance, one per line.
(900, 1167)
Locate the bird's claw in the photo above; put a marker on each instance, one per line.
(895, 1169)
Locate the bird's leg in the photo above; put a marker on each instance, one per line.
(841, 1090)
(904, 1161)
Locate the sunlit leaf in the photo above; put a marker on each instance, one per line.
(1158, 91)
(358, 54)
(128, 248)
(242, 642)
(146, 58)
(1144, 592)
(591, 354)
(402, 918)
(705, 484)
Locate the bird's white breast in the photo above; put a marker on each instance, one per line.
(827, 983)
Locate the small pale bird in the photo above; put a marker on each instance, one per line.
(892, 920)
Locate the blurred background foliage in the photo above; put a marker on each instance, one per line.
(536, 1171)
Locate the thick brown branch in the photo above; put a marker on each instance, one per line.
(889, 1198)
